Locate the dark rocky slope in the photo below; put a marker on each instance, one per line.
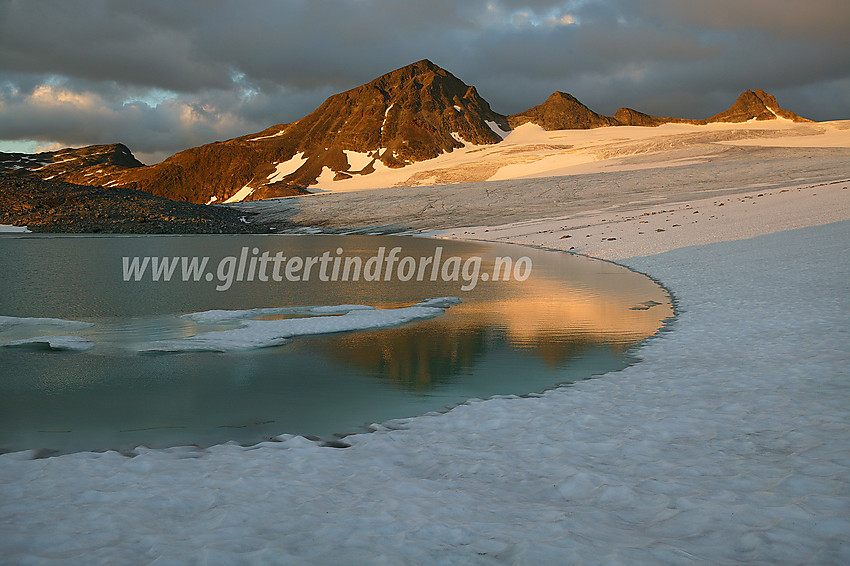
(56, 206)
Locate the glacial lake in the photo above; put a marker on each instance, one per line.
(250, 351)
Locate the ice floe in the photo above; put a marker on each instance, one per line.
(77, 343)
(252, 330)
(7, 322)
(218, 315)
(442, 302)
(9, 228)
(254, 333)
(37, 333)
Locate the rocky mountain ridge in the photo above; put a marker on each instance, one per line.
(562, 111)
(412, 114)
(71, 165)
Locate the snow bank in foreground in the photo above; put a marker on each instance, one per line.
(727, 443)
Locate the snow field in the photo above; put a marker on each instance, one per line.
(727, 443)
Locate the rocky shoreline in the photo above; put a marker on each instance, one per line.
(56, 206)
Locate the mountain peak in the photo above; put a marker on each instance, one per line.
(558, 96)
(561, 111)
(631, 117)
(419, 69)
(425, 64)
(755, 104)
(410, 114)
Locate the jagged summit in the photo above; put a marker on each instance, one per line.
(561, 111)
(413, 113)
(758, 105)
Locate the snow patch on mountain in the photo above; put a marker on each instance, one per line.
(386, 113)
(459, 139)
(497, 130)
(326, 177)
(278, 134)
(357, 161)
(287, 167)
(241, 194)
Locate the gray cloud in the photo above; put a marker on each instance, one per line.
(163, 76)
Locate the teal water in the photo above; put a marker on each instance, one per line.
(572, 318)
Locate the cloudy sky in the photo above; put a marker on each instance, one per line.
(167, 75)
